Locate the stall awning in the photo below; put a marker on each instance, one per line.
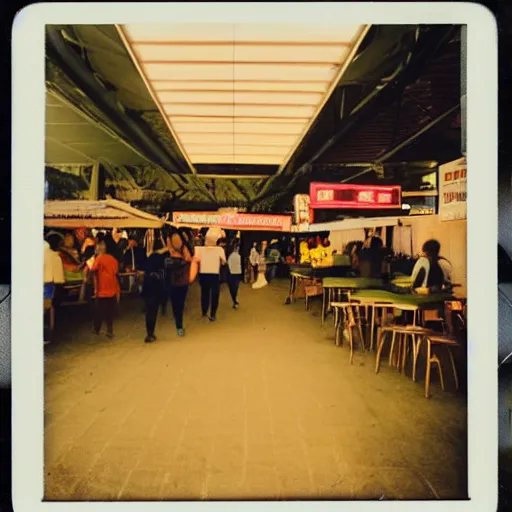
(348, 224)
(109, 213)
(241, 93)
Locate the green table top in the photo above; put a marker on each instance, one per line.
(399, 298)
(402, 281)
(352, 282)
(304, 275)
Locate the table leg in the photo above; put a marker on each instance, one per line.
(372, 327)
(323, 306)
(427, 374)
(289, 299)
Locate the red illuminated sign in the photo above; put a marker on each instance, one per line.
(347, 196)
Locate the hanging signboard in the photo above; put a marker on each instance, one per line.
(236, 221)
(359, 197)
(453, 190)
(301, 205)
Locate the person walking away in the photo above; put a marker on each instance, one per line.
(210, 258)
(180, 271)
(153, 287)
(235, 274)
(107, 291)
(254, 258)
(53, 276)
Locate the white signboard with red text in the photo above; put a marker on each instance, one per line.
(235, 221)
(301, 206)
(453, 190)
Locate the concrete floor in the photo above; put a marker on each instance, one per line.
(259, 405)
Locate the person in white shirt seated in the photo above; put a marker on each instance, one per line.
(432, 271)
(235, 274)
(210, 258)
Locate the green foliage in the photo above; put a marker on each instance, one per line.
(64, 185)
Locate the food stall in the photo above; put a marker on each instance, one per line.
(105, 214)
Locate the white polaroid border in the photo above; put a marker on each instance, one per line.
(28, 143)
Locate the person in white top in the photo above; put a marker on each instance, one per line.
(432, 270)
(235, 274)
(210, 258)
(261, 280)
(254, 258)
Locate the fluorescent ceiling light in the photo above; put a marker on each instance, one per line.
(240, 94)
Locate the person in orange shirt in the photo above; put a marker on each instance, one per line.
(107, 290)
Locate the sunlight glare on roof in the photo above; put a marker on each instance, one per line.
(240, 94)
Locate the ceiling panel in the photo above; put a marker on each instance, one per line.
(289, 53)
(237, 159)
(230, 72)
(240, 85)
(241, 33)
(73, 138)
(235, 110)
(245, 91)
(233, 127)
(238, 138)
(257, 97)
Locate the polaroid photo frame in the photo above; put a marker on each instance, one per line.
(28, 185)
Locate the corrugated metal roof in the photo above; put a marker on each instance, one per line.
(434, 93)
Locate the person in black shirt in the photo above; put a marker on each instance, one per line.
(153, 288)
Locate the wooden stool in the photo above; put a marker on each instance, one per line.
(346, 318)
(433, 340)
(403, 334)
(312, 289)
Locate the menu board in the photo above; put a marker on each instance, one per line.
(453, 190)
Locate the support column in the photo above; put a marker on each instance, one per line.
(94, 187)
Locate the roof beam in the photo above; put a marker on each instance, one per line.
(233, 176)
(154, 97)
(434, 39)
(418, 134)
(328, 94)
(83, 78)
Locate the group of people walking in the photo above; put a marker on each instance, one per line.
(174, 264)
(170, 263)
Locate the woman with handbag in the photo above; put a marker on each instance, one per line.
(180, 271)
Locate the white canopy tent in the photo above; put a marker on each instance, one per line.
(109, 213)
